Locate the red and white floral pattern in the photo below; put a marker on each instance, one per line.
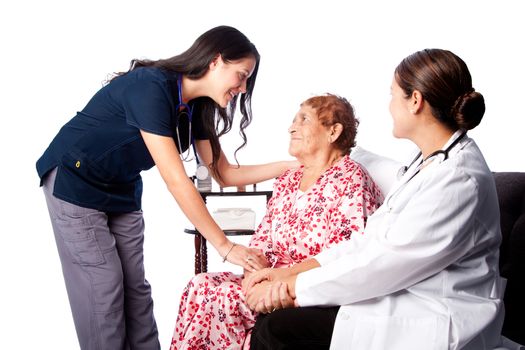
(297, 225)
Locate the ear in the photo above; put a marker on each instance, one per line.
(335, 132)
(415, 102)
(215, 62)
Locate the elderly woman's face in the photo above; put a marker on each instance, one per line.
(308, 137)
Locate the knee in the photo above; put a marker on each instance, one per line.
(269, 330)
(206, 280)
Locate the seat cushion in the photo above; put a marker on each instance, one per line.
(511, 196)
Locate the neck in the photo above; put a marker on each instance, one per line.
(191, 89)
(317, 165)
(432, 139)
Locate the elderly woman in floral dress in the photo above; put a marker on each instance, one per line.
(323, 202)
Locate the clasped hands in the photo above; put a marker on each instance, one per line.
(270, 289)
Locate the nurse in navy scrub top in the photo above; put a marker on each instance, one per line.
(153, 114)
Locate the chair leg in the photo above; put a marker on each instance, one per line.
(198, 256)
(204, 255)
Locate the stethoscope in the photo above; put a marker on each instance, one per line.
(182, 109)
(443, 152)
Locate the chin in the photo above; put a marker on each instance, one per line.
(225, 103)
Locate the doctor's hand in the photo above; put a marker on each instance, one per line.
(249, 258)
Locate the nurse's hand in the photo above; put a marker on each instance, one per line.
(249, 258)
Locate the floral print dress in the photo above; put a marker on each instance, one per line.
(297, 225)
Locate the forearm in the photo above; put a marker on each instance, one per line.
(304, 266)
(192, 205)
(295, 271)
(233, 175)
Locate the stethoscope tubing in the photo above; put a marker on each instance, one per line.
(404, 169)
(178, 107)
(445, 153)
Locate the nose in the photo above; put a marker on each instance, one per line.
(243, 86)
(291, 129)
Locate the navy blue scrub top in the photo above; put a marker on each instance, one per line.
(100, 153)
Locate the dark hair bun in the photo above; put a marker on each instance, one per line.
(468, 110)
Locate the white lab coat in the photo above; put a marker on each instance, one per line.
(424, 275)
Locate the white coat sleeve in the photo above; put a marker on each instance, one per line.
(432, 230)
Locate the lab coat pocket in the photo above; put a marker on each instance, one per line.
(400, 333)
(80, 240)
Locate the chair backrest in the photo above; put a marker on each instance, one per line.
(511, 195)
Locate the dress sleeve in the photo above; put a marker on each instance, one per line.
(263, 236)
(147, 106)
(361, 197)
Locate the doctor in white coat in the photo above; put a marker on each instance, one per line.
(424, 275)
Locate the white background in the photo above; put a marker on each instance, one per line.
(55, 54)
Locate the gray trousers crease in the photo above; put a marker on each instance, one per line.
(103, 266)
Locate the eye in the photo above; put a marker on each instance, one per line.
(243, 76)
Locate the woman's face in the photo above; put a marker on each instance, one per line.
(308, 137)
(400, 111)
(230, 78)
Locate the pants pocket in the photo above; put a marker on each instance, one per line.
(80, 240)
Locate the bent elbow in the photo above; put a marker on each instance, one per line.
(222, 182)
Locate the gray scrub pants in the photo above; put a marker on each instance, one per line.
(102, 262)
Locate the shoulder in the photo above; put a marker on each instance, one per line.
(354, 170)
(348, 165)
(288, 179)
(468, 164)
(290, 174)
(145, 75)
(145, 84)
(465, 172)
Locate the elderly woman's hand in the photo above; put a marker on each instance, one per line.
(266, 297)
(267, 274)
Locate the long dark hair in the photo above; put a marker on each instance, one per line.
(445, 82)
(232, 45)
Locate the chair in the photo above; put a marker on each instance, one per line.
(201, 254)
(511, 194)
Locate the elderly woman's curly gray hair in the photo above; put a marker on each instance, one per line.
(332, 109)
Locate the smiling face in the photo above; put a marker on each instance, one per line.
(400, 111)
(308, 137)
(229, 78)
